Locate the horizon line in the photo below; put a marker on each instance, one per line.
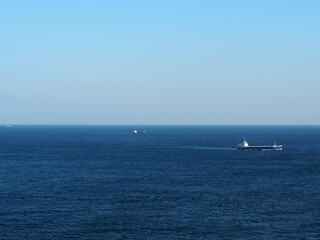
(147, 124)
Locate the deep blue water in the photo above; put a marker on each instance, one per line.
(176, 182)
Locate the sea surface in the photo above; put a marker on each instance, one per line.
(175, 182)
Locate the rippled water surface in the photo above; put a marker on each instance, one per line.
(176, 182)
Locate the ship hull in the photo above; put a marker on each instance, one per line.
(274, 148)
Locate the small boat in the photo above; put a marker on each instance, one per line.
(245, 146)
(139, 132)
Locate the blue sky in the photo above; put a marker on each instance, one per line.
(160, 62)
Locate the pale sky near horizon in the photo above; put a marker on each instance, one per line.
(160, 62)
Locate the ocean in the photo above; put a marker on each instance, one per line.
(175, 182)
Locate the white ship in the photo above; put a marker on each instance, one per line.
(139, 132)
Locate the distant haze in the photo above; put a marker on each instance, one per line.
(160, 62)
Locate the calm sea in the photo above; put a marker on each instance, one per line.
(176, 182)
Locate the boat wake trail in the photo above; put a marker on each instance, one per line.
(216, 148)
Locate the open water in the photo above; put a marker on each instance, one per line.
(176, 182)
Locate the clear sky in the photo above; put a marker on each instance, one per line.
(160, 62)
